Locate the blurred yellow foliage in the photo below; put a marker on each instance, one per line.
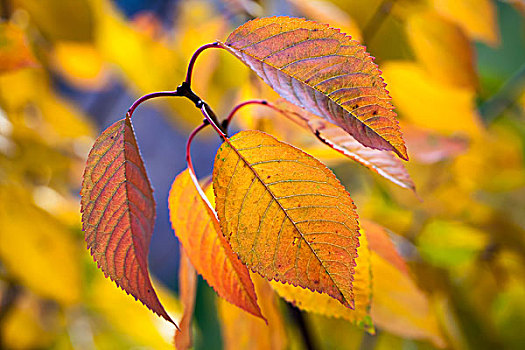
(464, 242)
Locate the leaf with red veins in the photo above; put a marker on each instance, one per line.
(323, 71)
(118, 213)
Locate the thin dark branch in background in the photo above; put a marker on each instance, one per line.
(5, 6)
(8, 300)
(505, 97)
(298, 319)
(377, 19)
(369, 341)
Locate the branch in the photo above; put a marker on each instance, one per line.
(298, 318)
(377, 19)
(196, 54)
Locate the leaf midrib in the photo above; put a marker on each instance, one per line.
(316, 89)
(286, 214)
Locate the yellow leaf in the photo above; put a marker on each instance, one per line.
(476, 17)
(61, 20)
(37, 249)
(493, 163)
(81, 64)
(398, 306)
(323, 304)
(324, 11)
(442, 48)
(286, 215)
(242, 330)
(429, 103)
(25, 327)
(130, 318)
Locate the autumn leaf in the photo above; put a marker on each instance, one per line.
(442, 48)
(323, 71)
(381, 244)
(477, 17)
(37, 248)
(118, 212)
(286, 215)
(420, 99)
(327, 12)
(398, 305)
(14, 49)
(188, 289)
(241, 330)
(384, 163)
(323, 304)
(200, 235)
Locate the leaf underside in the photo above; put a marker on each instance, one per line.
(118, 212)
(199, 233)
(383, 163)
(286, 215)
(325, 72)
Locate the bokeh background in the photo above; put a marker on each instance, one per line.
(455, 70)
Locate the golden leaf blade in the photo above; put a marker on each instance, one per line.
(325, 72)
(200, 235)
(398, 305)
(286, 215)
(443, 49)
(323, 304)
(477, 17)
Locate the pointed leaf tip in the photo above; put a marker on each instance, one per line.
(323, 71)
(384, 163)
(118, 213)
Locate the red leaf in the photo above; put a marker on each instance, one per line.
(325, 72)
(384, 163)
(118, 212)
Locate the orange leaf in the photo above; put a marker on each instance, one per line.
(323, 71)
(286, 215)
(199, 233)
(14, 49)
(323, 304)
(384, 163)
(118, 212)
(188, 288)
(243, 331)
(380, 243)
